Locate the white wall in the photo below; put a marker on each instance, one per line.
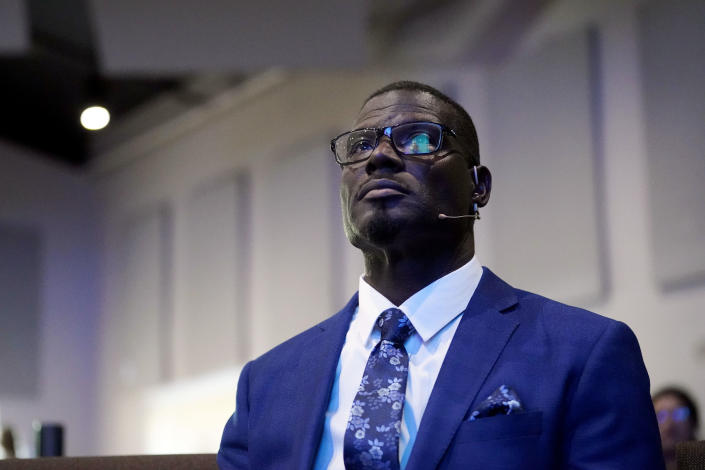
(58, 204)
(646, 196)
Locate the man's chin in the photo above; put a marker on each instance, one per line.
(377, 231)
(382, 230)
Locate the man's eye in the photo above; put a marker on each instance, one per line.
(361, 145)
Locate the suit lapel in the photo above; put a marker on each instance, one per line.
(480, 338)
(315, 373)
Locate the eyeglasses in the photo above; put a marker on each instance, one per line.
(678, 415)
(419, 139)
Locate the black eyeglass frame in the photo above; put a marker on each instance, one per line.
(380, 131)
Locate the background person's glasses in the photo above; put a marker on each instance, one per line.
(678, 415)
(410, 138)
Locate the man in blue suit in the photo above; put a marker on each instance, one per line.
(436, 362)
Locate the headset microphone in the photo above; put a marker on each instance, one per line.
(475, 215)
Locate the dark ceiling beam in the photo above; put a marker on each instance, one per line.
(80, 56)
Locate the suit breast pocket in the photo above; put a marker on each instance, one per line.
(512, 426)
(498, 443)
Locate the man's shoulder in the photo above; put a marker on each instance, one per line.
(559, 319)
(559, 313)
(569, 330)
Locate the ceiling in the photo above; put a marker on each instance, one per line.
(46, 87)
(129, 53)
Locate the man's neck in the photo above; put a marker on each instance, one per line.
(398, 276)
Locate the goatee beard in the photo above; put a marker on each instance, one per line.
(383, 230)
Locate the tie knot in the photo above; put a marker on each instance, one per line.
(395, 326)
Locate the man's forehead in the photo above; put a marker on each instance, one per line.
(398, 106)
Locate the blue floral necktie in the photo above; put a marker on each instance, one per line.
(372, 436)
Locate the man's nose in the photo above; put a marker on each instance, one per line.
(667, 425)
(384, 156)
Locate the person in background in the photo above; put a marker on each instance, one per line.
(677, 418)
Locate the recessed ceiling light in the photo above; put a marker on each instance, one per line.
(95, 118)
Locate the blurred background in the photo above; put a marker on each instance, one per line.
(143, 264)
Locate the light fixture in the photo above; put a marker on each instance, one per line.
(95, 118)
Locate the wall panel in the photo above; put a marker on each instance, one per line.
(546, 223)
(296, 224)
(143, 298)
(213, 332)
(672, 35)
(20, 310)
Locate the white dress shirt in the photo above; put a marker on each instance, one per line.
(435, 312)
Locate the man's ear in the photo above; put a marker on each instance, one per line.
(482, 179)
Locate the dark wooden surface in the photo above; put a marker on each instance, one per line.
(123, 462)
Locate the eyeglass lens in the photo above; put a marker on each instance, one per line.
(414, 138)
(678, 415)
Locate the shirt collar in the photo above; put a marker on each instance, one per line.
(429, 309)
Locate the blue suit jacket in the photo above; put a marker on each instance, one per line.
(580, 377)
